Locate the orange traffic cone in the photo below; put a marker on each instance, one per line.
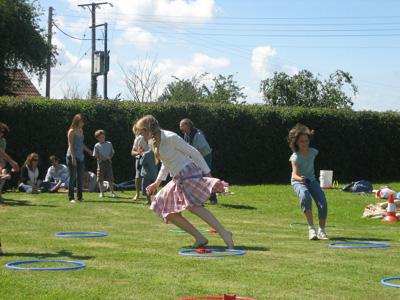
(390, 211)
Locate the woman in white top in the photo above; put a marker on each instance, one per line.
(191, 185)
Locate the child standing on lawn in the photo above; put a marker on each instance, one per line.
(104, 152)
(140, 145)
(303, 179)
(148, 172)
(4, 157)
(191, 183)
(4, 174)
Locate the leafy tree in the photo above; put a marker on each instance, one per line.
(224, 89)
(306, 90)
(184, 90)
(22, 42)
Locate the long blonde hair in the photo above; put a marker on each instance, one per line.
(31, 157)
(150, 124)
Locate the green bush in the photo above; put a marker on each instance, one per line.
(248, 141)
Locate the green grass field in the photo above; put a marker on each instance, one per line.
(139, 259)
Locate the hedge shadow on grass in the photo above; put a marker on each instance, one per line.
(237, 247)
(113, 201)
(238, 206)
(62, 253)
(11, 202)
(344, 239)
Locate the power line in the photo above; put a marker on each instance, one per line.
(68, 35)
(260, 18)
(277, 30)
(71, 69)
(215, 22)
(270, 35)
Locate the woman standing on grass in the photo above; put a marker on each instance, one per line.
(4, 174)
(75, 156)
(4, 157)
(191, 183)
(303, 179)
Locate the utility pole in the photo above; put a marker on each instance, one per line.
(49, 35)
(92, 7)
(105, 62)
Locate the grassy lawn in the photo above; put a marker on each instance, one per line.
(139, 259)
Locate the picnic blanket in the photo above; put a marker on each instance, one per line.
(378, 210)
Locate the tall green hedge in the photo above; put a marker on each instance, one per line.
(248, 141)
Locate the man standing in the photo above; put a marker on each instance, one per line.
(197, 139)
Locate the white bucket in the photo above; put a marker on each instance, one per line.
(326, 179)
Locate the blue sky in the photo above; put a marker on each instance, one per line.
(251, 39)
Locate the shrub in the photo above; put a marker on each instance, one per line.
(248, 141)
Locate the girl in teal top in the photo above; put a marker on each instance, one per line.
(303, 179)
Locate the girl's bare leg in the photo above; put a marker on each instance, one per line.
(180, 221)
(211, 220)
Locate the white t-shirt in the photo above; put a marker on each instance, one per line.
(176, 154)
(140, 142)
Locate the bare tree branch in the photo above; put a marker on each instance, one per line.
(142, 80)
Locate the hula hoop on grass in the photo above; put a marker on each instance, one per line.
(77, 265)
(385, 281)
(218, 297)
(361, 245)
(212, 252)
(79, 235)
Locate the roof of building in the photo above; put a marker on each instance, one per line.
(21, 85)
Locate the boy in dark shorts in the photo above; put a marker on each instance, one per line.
(104, 151)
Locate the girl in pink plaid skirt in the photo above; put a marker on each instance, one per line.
(191, 184)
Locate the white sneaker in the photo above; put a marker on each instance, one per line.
(113, 195)
(101, 195)
(72, 201)
(322, 234)
(312, 234)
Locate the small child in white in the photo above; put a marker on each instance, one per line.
(104, 152)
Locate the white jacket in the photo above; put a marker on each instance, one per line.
(176, 154)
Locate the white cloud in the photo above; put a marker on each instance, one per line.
(139, 37)
(200, 59)
(202, 9)
(261, 59)
(133, 16)
(71, 71)
(253, 96)
(198, 64)
(265, 62)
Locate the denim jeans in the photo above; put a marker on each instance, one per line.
(208, 159)
(305, 193)
(75, 178)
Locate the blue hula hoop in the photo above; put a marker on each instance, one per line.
(79, 235)
(353, 245)
(213, 253)
(385, 281)
(77, 265)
